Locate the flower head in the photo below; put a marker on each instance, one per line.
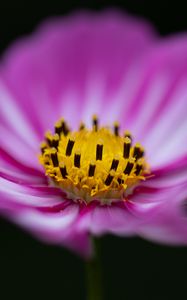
(96, 164)
(103, 74)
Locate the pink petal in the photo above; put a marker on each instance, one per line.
(15, 147)
(21, 177)
(44, 212)
(56, 228)
(168, 175)
(10, 164)
(157, 112)
(28, 195)
(99, 220)
(11, 111)
(69, 68)
(145, 209)
(168, 224)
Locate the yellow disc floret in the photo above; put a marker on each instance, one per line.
(96, 164)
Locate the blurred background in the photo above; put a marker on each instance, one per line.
(133, 268)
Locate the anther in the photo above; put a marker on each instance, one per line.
(77, 158)
(95, 123)
(120, 181)
(128, 168)
(49, 137)
(114, 164)
(116, 129)
(141, 153)
(54, 157)
(109, 178)
(65, 129)
(58, 127)
(43, 146)
(61, 127)
(69, 147)
(82, 126)
(63, 170)
(99, 152)
(55, 141)
(91, 170)
(138, 152)
(46, 159)
(138, 168)
(128, 134)
(126, 147)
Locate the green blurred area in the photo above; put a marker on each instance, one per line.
(133, 269)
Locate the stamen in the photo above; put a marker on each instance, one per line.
(49, 137)
(99, 151)
(138, 152)
(55, 141)
(63, 170)
(69, 147)
(116, 129)
(128, 168)
(142, 153)
(109, 178)
(139, 167)
(58, 127)
(91, 170)
(61, 127)
(43, 146)
(82, 126)
(77, 158)
(47, 159)
(95, 122)
(127, 133)
(54, 157)
(65, 128)
(120, 181)
(114, 164)
(126, 147)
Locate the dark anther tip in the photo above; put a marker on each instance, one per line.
(128, 168)
(109, 179)
(91, 170)
(54, 158)
(77, 159)
(95, 122)
(114, 164)
(99, 152)
(69, 147)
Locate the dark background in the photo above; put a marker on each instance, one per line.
(133, 268)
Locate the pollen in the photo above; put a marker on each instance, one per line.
(93, 164)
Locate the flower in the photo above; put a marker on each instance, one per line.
(117, 67)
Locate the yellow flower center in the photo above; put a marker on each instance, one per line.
(97, 164)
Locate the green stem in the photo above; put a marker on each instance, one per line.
(94, 278)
